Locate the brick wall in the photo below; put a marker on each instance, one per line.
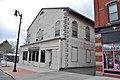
(101, 12)
(98, 46)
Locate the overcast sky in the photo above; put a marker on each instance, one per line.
(29, 8)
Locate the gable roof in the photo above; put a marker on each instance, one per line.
(66, 8)
(4, 42)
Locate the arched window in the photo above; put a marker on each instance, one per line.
(87, 33)
(57, 28)
(28, 38)
(39, 35)
(74, 29)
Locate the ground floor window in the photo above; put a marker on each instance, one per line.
(25, 53)
(88, 56)
(42, 56)
(34, 55)
(74, 54)
(111, 58)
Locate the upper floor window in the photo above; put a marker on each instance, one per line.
(28, 38)
(57, 28)
(87, 34)
(39, 35)
(113, 11)
(74, 29)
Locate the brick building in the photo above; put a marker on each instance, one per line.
(107, 29)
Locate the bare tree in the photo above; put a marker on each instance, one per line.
(13, 44)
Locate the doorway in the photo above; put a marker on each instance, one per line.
(49, 57)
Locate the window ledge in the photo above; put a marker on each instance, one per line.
(115, 23)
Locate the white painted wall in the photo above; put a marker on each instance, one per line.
(47, 23)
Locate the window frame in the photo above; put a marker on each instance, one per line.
(87, 33)
(74, 29)
(39, 35)
(88, 51)
(108, 6)
(25, 55)
(57, 28)
(113, 50)
(28, 38)
(72, 60)
(42, 60)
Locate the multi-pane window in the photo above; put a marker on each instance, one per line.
(34, 55)
(39, 35)
(87, 34)
(113, 11)
(25, 53)
(57, 28)
(74, 29)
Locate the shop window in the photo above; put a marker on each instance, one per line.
(37, 56)
(42, 56)
(74, 29)
(87, 34)
(111, 54)
(113, 11)
(88, 56)
(57, 28)
(74, 54)
(29, 55)
(34, 55)
(25, 53)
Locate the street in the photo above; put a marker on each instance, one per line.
(25, 72)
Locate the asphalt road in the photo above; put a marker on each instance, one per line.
(61, 75)
(4, 76)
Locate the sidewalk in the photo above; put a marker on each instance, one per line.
(25, 72)
(22, 69)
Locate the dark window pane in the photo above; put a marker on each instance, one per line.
(25, 53)
(42, 56)
(37, 56)
(30, 56)
(33, 56)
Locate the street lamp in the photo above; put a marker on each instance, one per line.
(17, 13)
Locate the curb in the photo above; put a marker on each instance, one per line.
(8, 74)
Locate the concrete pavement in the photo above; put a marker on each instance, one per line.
(25, 72)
